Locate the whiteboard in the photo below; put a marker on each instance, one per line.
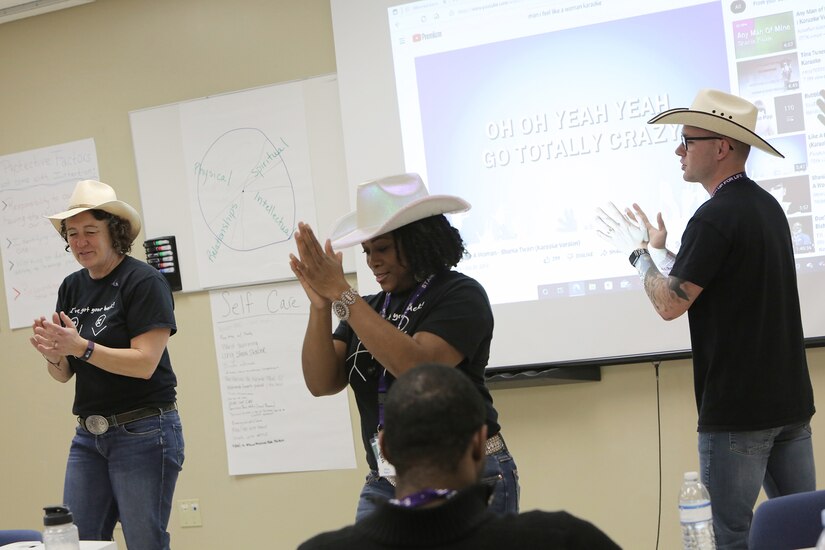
(230, 176)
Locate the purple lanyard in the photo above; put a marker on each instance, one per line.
(423, 497)
(727, 181)
(382, 379)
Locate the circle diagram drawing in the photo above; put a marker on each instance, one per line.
(245, 192)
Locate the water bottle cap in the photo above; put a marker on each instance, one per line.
(691, 476)
(57, 515)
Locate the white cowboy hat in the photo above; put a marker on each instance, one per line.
(95, 195)
(389, 203)
(727, 115)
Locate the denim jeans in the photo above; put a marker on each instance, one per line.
(734, 465)
(499, 470)
(126, 474)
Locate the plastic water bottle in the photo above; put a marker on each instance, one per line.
(60, 532)
(820, 542)
(695, 515)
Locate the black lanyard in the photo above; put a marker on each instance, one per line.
(382, 379)
(727, 181)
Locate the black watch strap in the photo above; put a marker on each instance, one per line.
(90, 347)
(636, 254)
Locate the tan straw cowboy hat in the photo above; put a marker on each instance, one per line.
(95, 195)
(389, 203)
(725, 114)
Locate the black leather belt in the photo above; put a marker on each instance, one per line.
(97, 424)
(493, 445)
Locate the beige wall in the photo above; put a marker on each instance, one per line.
(591, 448)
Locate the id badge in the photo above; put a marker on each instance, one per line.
(385, 469)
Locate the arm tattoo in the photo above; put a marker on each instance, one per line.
(661, 289)
(675, 285)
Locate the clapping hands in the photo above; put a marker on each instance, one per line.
(621, 230)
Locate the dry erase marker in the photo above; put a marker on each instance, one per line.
(156, 248)
(156, 243)
(159, 254)
(161, 262)
(167, 270)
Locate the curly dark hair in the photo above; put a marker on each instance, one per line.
(429, 245)
(119, 230)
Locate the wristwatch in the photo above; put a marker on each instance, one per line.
(636, 254)
(341, 306)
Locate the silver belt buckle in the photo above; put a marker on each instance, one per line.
(96, 424)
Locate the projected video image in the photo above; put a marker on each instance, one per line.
(764, 35)
(536, 112)
(802, 234)
(768, 75)
(761, 167)
(536, 138)
(792, 193)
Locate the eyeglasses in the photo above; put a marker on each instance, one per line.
(686, 140)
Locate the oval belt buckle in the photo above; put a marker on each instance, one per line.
(96, 424)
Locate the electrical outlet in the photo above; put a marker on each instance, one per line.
(190, 513)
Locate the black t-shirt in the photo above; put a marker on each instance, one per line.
(750, 370)
(131, 300)
(454, 307)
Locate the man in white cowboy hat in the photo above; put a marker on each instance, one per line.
(735, 276)
(426, 312)
(112, 321)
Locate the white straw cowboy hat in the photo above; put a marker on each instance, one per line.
(389, 203)
(95, 195)
(725, 114)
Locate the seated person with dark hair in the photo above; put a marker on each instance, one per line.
(435, 434)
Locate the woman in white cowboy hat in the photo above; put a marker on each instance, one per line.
(112, 322)
(425, 313)
(735, 275)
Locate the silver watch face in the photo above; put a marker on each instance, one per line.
(340, 309)
(96, 424)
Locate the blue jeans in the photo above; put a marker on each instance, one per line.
(126, 474)
(734, 465)
(499, 470)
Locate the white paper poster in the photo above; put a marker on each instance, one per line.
(33, 185)
(271, 421)
(248, 169)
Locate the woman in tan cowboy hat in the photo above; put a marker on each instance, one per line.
(112, 322)
(425, 313)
